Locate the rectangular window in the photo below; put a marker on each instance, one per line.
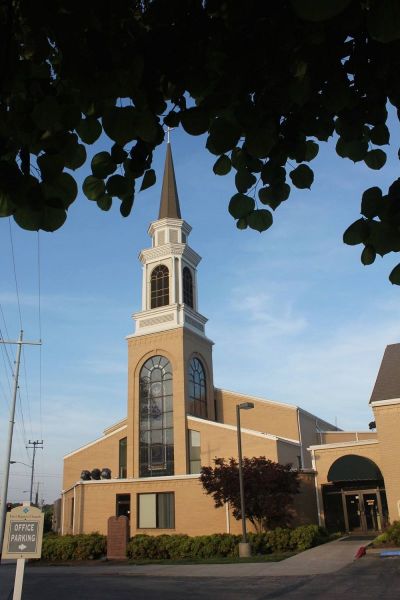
(123, 505)
(156, 511)
(72, 513)
(194, 451)
(122, 458)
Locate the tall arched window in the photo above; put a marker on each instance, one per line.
(156, 432)
(197, 389)
(187, 287)
(159, 286)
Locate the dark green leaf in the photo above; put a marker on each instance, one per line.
(241, 205)
(50, 165)
(368, 255)
(357, 233)
(273, 173)
(375, 159)
(371, 201)
(260, 219)
(222, 165)
(89, 130)
(380, 135)
(172, 119)
(394, 276)
(149, 179)
(117, 185)
(7, 206)
(48, 219)
(121, 124)
(244, 180)
(322, 10)
(76, 159)
(302, 177)
(312, 150)
(224, 135)
(118, 154)
(102, 165)
(260, 141)
(147, 126)
(104, 202)
(93, 188)
(274, 195)
(63, 187)
(195, 121)
(241, 223)
(126, 206)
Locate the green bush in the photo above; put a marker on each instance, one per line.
(392, 533)
(74, 547)
(180, 547)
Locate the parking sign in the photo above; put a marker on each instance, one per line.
(23, 533)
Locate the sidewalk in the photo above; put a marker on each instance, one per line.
(327, 558)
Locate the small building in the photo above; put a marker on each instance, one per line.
(178, 421)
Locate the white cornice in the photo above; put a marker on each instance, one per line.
(171, 249)
(104, 437)
(252, 432)
(343, 444)
(169, 222)
(385, 402)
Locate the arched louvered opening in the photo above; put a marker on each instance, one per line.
(159, 286)
(187, 287)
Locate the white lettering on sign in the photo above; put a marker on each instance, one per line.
(21, 537)
(23, 526)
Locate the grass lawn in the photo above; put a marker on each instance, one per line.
(215, 560)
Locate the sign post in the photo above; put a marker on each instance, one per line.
(23, 536)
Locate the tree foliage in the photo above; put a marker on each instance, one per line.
(267, 82)
(269, 488)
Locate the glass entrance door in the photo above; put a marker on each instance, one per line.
(362, 511)
(353, 510)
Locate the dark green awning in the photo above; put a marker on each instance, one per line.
(354, 468)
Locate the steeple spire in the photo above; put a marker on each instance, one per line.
(169, 205)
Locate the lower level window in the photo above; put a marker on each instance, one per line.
(123, 505)
(156, 511)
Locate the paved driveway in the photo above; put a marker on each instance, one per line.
(367, 578)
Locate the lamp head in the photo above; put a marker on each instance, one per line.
(246, 405)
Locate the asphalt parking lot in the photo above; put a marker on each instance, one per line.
(368, 578)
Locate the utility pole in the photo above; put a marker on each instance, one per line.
(34, 445)
(6, 470)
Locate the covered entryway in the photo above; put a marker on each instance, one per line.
(355, 500)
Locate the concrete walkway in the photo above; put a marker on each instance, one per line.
(327, 558)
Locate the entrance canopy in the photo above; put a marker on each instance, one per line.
(354, 468)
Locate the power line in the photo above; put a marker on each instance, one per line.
(40, 332)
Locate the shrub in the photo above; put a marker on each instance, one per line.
(392, 533)
(180, 547)
(74, 547)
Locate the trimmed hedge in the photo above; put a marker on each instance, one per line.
(390, 537)
(223, 545)
(74, 547)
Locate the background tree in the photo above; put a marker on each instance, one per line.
(269, 488)
(267, 81)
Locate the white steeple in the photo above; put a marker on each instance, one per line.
(169, 289)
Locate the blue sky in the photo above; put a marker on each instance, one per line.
(294, 315)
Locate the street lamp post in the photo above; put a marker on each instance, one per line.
(244, 546)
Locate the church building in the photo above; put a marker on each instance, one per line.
(177, 421)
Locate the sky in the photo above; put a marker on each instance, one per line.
(294, 315)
